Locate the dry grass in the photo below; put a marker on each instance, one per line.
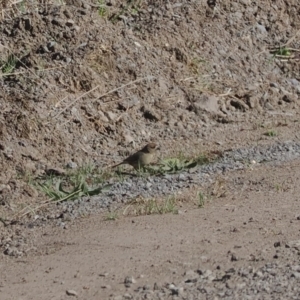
(141, 206)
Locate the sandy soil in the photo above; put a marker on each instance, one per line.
(93, 257)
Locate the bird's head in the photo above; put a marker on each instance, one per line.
(150, 148)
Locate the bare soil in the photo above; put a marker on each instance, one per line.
(80, 83)
(93, 256)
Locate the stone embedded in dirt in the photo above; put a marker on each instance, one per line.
(107, 286)
(70, 23)
(277, 244)
(238, 104)
(234, 257)
(55, 171)
(156, 286)
(128, 281)
(111, 115)
(72, 165)
(13, 251)
(191, 274)
(293, 244)
(150, 114)
(71, 293)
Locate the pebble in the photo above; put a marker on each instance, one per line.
(128, 281)
(71, 293)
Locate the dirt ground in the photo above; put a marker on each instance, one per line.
(83, 81)
(93, 257)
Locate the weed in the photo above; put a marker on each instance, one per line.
(201, 199)
(271, 133)
(195, 65)
(111, 216)
(22, 6)
(9, 65)
(58, 193)
(141, 206)
(83, 182)
(281, 51)
(218, 189)
(215, 190)
(102, 8)
(277, 188)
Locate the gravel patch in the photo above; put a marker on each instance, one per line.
(169, 184)
(272, 281)
(276, 279)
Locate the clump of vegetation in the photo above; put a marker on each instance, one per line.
(102, 8)
(177, 164)
(8, 65)
(141, 206)
(82, 182)
(271, 133)
(111, 216)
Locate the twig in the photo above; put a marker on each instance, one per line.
(74, 101)
(103, 95)
(291, 39)
(123, 86)
(226, 94)
(17, 73)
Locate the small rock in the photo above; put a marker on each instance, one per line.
(111, 116)
(12, 251)
(293, 244)
(146, 287)
(102, 117)
(191, 274)
(128, 281)
(70, 23)
(234, 257)
(258, 274)
(277, 244)
(204, 258)
(55, 171)
(108, 287)
(58, 21)
(156, 287)
(207, 273)
(71, 165)
(150, 114)
(71, 293)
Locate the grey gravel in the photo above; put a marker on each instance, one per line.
(169, 184)
(271, 281)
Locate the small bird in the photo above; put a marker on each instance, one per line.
(141, 158)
